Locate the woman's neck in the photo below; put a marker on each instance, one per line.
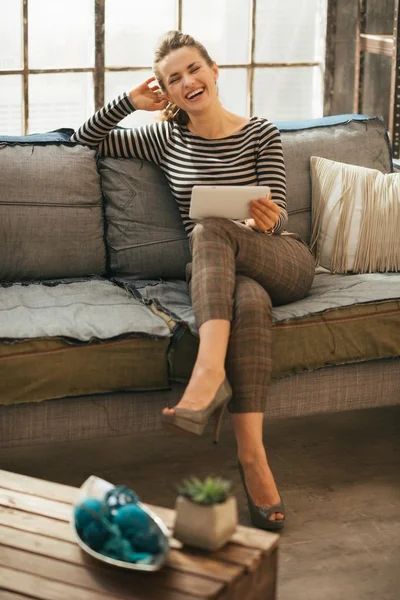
(215, 123)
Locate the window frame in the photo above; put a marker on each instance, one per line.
(99, 70)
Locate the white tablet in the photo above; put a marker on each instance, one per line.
(229, 201)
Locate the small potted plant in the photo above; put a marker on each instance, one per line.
(206, 512)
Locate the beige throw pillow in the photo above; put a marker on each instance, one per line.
(355, 218)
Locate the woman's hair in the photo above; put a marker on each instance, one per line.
(173, 40)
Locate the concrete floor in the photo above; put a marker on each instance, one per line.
(339, 476)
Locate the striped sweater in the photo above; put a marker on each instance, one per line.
(253, 156)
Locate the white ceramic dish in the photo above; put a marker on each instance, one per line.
(94, 487)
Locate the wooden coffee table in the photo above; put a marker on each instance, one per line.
(39, 558)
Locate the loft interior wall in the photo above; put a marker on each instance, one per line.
(344, 51)
(376, 92)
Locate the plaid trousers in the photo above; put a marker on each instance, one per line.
(238, 274)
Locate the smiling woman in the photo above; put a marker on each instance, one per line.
(236, 274)
(188, 77)
(185, 71)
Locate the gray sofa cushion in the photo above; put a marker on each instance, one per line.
(84, 310)
(351, 139)
(51, 213)
(145, 234)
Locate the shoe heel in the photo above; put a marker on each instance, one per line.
(260, 515)
(195, 421)
(218, 420)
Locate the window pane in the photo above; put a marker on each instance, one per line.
(290, 30)
(288, 93)
(118, 83)
(10, 104)
(10, 34)
(61, 34)
(59, 100)
(232, 85)
(132, 30)
(222, 26)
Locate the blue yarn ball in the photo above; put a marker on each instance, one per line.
(131, 517)
(144, 542)
(95, 534)
(87, 510)
(120, 496)
(116, 547)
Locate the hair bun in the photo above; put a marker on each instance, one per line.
(172, 112)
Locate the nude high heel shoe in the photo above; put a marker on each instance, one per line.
(195, 421)
(261, 515)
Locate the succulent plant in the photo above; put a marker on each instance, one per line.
(213, 490)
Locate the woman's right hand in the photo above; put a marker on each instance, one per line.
(144, 97)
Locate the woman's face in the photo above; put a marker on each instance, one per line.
(189, 81)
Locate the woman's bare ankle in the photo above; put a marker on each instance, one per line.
(202, 386)
(207, 369)
(252, 456)
(260, 480)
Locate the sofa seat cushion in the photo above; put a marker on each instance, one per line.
(47, 368)
(344, 319)
(78, 337)
(51, 211)
(350, 334)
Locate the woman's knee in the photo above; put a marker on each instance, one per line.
(217, 224)
(251, 303)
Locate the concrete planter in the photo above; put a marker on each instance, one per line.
(206, 527)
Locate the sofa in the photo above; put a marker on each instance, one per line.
(97, 332)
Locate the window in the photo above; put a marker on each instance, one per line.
(59, 61)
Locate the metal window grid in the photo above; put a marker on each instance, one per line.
(100, 69)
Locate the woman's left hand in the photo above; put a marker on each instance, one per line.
(265, 214)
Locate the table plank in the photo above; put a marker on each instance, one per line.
(37, 487)
(106, 579)
(23, 521)
(60, 592)
(46, 589)
(5, 595)
(205, 565)
(35, 505)
(70, 552)
(238, 555)
(255, 538)
(38, 544)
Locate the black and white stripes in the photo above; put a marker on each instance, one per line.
(253, 156)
